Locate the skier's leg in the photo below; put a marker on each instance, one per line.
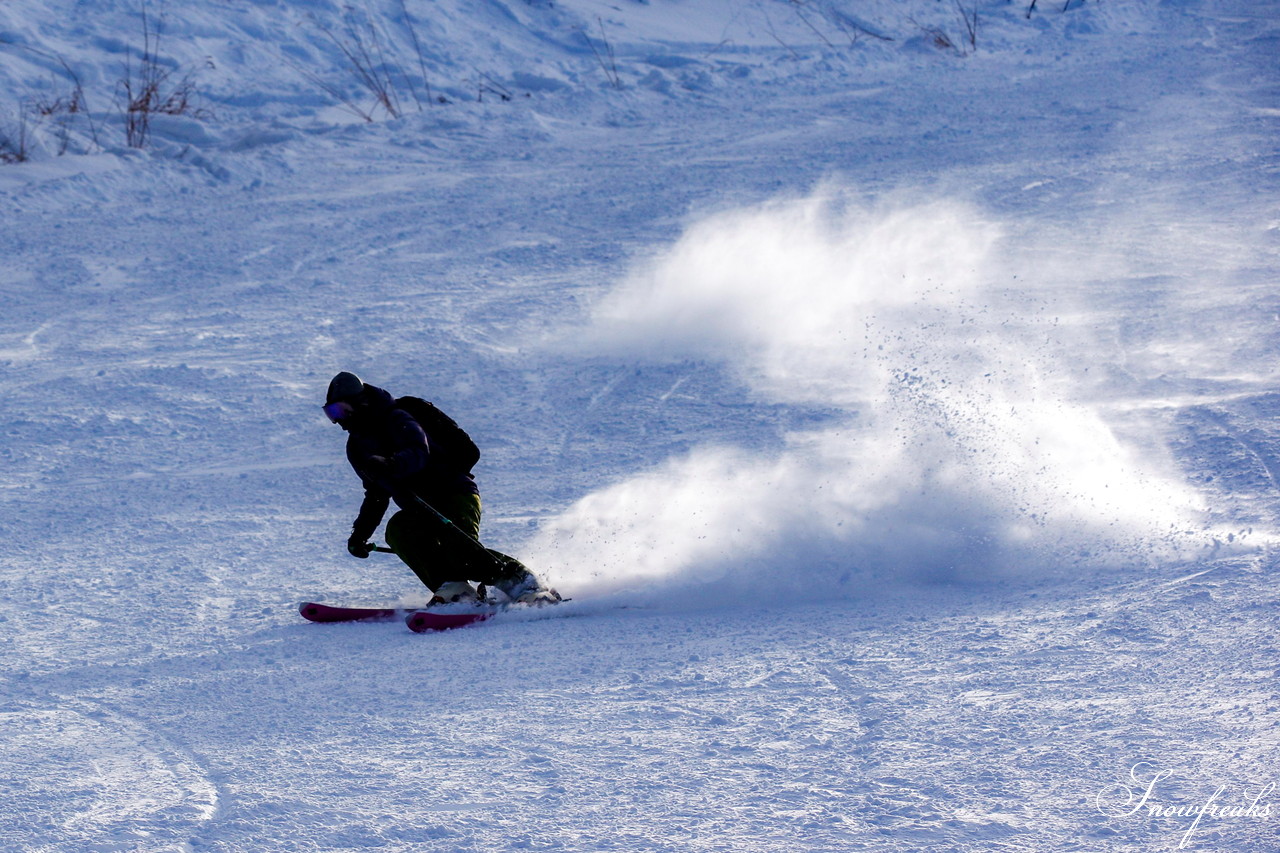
(459, 559)
(506, 573)
(415, 539)
(464, 510)
(457, 556)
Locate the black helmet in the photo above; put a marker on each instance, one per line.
(344, 386)
(341, 401)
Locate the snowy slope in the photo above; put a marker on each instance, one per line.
(897, 408)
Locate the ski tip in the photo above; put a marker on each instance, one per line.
(315, 612)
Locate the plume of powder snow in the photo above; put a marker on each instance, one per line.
(960, 452)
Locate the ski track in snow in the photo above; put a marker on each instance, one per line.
(893, 724)
(169, 490)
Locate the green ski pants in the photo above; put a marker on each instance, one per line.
(438, 553)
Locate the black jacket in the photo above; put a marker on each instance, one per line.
(392, 456)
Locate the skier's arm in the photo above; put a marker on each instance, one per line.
(372, 509)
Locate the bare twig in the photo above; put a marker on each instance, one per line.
(937, 36)
(144, 88)
(970, 23)
(488, 84)
(76, 104)
(371, 73)
(845, 23)
(141, 87)
(391, 100)
(768, 22)
(417, 48)
(610, 68)
(337, 94)
(14, 146)
(800, 14)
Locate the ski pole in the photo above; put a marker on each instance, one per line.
(441, 519)
(476, 547)
(473, 544)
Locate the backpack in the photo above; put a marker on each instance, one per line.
(451, 447)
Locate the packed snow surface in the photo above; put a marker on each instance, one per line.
(890, 383)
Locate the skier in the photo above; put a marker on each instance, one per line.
(399, 459)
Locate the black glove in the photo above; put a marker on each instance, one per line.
(358, 547)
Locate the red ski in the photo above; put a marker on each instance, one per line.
(316, 612)
(424, 621)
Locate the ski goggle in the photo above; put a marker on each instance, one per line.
(339, 410)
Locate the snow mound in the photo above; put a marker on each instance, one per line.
(241, 76)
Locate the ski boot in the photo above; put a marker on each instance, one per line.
(454, 592)
(527, 589)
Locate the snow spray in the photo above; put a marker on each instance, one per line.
(956, 453)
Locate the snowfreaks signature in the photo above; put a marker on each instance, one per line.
(1141, 794)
